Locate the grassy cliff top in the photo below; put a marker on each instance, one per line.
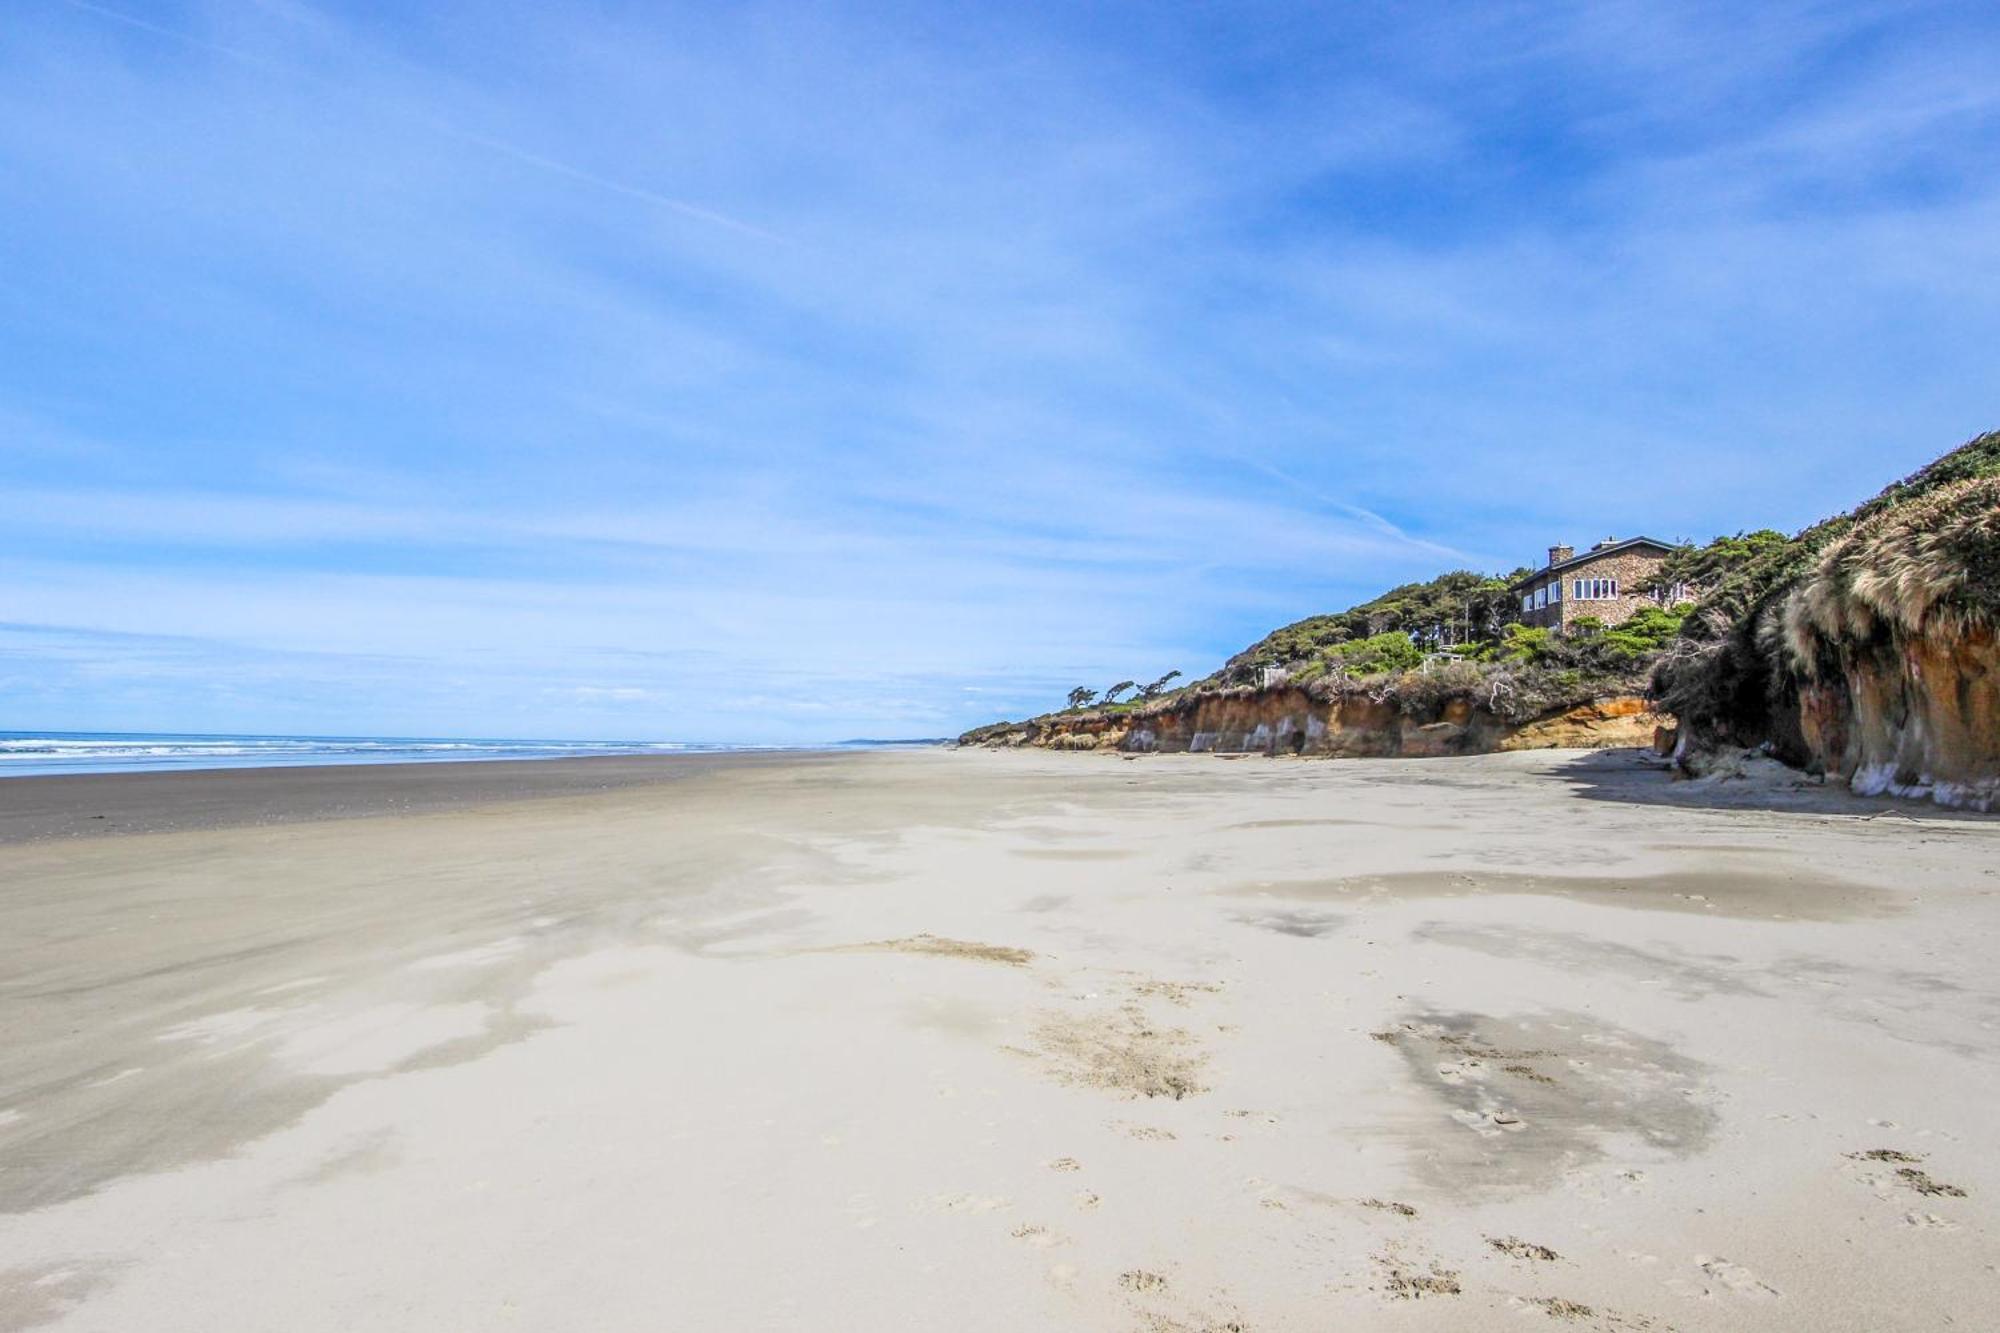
(1923, 553)
(1747, 573)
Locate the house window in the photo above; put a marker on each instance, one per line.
(1528, 602)
(1596, 590)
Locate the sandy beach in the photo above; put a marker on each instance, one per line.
(994, 1041)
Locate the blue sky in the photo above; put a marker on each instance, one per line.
(775, 372)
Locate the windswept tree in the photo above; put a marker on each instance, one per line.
(1111, 695)
(1081, 697)
(1152, 691)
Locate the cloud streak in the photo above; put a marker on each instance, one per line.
(795, 369)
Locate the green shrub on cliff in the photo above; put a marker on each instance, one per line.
(1647, 631)
(1521, 643)
(1457, 606)
(1512, 690)
(1590, 647)
(1375, 654)
(1714, 564)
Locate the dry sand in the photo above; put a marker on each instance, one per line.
(965, 1040)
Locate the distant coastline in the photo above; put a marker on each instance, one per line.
(42, 753)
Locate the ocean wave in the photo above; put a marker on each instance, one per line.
(23, 753)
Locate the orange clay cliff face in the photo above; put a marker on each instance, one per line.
(1889, 642)
(1280, 721)
(1916, 720)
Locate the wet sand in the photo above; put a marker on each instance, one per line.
(994, 1041)
(95, 804)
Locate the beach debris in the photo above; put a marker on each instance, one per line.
(1120, 1051)
(1886, 1155)
(1923, 1184)
(1065, 1164)
(1406, 1282)
(1559, 1307)
(1138, 1279)
(937, 946)
(1389, 1206)
(1174, 992)
(1516, 1248)
(1160, 1323)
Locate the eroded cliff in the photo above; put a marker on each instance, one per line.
(1867, 650)
(1889, 644)
(1294, 721)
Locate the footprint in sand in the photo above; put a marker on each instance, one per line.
(1490, 1124)
(1928, 1222)
(1148, 1133)
(1032, 1233)
(1249, 1115)
(1065, 1164)
(972, 1203)
(1735, 1277)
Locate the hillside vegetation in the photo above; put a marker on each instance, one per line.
(1452, 607)
(1420, 647)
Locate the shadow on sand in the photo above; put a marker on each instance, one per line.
(1639, 777)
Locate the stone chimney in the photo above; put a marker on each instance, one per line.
(1558, 554)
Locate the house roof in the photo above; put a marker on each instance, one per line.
(1595, 553)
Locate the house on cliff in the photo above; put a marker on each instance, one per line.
(1604, 582)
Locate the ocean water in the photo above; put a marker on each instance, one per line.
(30, 752)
